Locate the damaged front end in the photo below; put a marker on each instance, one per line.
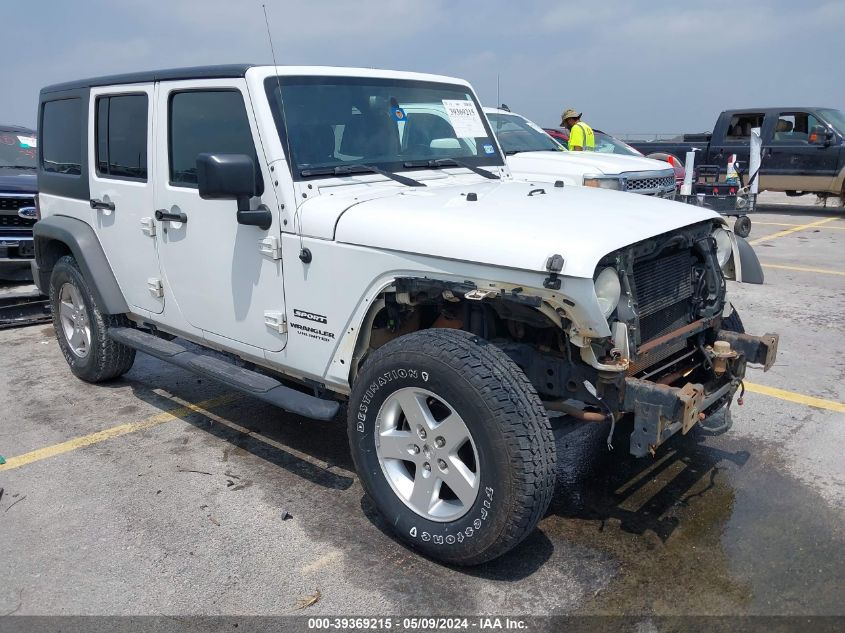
(682, 365)
(646, 336)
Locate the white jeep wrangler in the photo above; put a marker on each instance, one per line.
(339, 250)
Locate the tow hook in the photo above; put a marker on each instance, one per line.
(722, 353)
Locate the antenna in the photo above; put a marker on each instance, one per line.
(498, 100)
(304, 253)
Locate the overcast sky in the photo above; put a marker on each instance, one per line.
(630, 66)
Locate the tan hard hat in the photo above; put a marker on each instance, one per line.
(569, 113)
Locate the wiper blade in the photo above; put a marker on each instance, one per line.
(17, 167)
(443, 162)
(342, 170)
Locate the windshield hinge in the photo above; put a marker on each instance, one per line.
(271, 247)
(276, 320)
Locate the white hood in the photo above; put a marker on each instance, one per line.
(556, 165)
(504, 226)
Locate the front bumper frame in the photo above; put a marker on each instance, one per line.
(16, 248)
(660, 411)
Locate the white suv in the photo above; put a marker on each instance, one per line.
(342, 249)
(534, 155)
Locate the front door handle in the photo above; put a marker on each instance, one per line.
(99, 204)
(163, 215)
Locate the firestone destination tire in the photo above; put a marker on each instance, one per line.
(453, 445)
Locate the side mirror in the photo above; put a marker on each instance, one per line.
(820, 135)
(226, 177)
(232, 177)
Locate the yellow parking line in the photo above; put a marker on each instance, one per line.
(116, 431)
(799, 398)
(756, 222)
(822, 271)
(793, 229)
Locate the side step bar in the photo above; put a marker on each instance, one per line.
(250, 382)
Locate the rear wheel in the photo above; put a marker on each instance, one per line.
(452, 443)
(82, 329)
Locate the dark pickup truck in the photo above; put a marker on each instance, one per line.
(17, 200)
(803, 150)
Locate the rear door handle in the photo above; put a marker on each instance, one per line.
(99, 204)
(163, 215)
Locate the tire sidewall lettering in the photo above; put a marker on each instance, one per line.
(384, 379)
(431, 533)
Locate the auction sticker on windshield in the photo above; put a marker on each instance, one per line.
(464, 118)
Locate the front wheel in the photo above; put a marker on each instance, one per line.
(452, 443)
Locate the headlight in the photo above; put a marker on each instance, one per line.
(608, 290)
(603, 182)
(724, 246)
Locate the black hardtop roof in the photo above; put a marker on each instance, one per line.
(190, 72)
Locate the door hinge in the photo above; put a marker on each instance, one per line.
(148, 226)
(276, 320)
(155, 287)
(270, 246)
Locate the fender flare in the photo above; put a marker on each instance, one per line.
(79, 238)
(752, 271)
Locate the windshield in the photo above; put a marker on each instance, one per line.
(329, 122)
(517, 134)
(17, 149)
(609, 145)
(836, 118)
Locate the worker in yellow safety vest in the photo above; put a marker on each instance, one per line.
(581, 137)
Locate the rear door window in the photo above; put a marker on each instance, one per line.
(61, 137)
(121, 137)
(213, 121)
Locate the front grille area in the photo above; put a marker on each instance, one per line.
(15, 224)
(15, 221)
(650, 184)
(664, 289)
(13, 204)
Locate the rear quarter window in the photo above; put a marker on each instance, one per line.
(61, 137)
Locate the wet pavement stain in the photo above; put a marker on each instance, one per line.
(717, 531)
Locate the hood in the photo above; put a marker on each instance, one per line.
(17, 181)
(556, 164)
(506, 226)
